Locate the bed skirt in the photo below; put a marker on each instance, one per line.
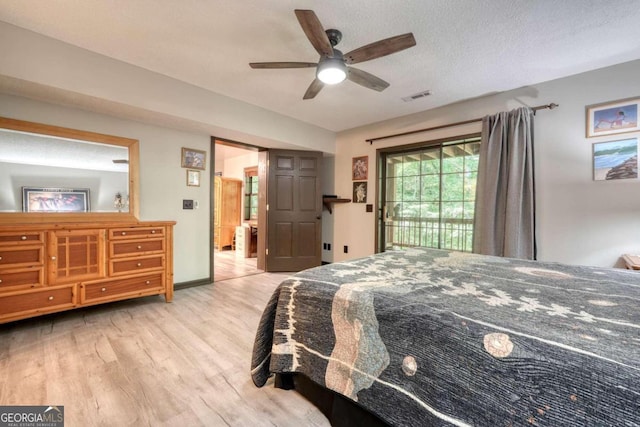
(340, 411)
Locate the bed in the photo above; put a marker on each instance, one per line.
(426, 337)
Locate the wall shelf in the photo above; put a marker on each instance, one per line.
(329, 201)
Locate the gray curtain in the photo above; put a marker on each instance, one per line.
(504, 222)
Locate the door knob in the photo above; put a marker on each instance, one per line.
(319, 217)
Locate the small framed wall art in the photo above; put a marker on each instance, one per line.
(615, 159)
(612, 117)
(359, 192)
(194, 159)
(360, 168)
(193, 178)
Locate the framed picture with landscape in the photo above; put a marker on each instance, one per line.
(613, 117)
(615, 159)
(55, 199)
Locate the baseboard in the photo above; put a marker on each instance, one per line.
(192, 283)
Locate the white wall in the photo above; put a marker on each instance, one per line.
(580, 221)
(162, 179)
(328, 185)
(234, 166)
(219, 165)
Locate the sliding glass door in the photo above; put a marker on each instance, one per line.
(427, 195)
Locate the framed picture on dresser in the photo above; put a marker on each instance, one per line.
(38, 199)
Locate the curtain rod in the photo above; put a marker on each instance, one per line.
(550, 106)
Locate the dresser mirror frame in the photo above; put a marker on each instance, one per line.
(56, 131)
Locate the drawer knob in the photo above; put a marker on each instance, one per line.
(153, 231)
(23, 237)
(0, 258)
(51, 298)
(147, 282)
(124, 233)
(139, 264)
(103, 290)
(0, 280)
(139, 247)
(53, 258)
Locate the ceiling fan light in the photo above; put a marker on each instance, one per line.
(332, 71)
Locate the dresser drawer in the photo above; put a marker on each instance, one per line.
(133, 248)
(27, 237)
(135, 265)
(135, 286)
(21, 278)
(37, 302)
(135, 233)
(21, 256)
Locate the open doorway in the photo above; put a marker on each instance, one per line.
(235, 210)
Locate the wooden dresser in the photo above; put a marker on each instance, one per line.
(226, 213)
(45, 268)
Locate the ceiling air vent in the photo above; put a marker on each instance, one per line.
(416, 96)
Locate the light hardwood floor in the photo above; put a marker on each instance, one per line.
(228, 266)
(148, 363)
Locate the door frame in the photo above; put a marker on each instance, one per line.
(212, 174)
(262, 151)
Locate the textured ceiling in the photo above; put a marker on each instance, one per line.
(31, 149)
(465, 48)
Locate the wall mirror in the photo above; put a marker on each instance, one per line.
(55, 174)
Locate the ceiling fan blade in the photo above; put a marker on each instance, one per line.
(380, 48)
(366, 79)
(315, 87)
(283, 65)
(315, 33)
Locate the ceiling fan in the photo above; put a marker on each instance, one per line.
(332, 66)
